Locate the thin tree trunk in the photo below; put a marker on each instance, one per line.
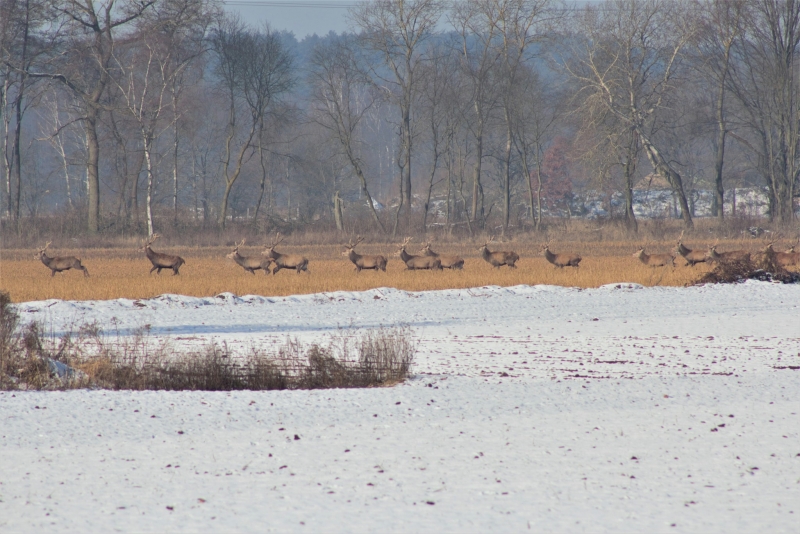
(263, 184)
(629, 170)
(507, 174)
(4, 145)
(663, 168)
(92, 170)
(477, 187)
(150, 185)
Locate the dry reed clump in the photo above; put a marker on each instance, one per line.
(31, 360)
(765, 268)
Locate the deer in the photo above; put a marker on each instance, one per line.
(161, 260)
(62, 263)
(448, 262)
(498, 258)
(654, 260)
(726, 257)
(362, 261)
(251, 264)
(414, 263)
(692, 257)
(561, 260)
(284, 261)
(789, 258)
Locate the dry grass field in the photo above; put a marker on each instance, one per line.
(123, 273)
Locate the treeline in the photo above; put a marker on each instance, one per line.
(129, 115)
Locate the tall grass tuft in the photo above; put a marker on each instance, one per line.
(31, 360)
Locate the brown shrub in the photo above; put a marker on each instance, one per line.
(372, 358)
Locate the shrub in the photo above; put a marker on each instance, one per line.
(368, 359)
(764, 268)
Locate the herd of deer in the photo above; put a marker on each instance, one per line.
(427, 260)
(789, 258)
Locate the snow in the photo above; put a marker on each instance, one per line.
(541, 407)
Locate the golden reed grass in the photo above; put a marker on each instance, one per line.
(123, 273)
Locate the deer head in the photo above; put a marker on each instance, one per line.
(403, 246)
(271, 247)
(350, 245)
(485, 245)
(42, 250)
(150, 240)
(236, 249)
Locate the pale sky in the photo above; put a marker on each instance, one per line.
(303, 17)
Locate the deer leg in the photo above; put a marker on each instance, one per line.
(52, 273)
(85, 271)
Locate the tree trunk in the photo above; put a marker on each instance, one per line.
(338, 216)
(507, 174)
(630, 169)
(477, 187)
(662, 167)
(92, 169)
(150, 184)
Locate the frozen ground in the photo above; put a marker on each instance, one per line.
(554, 409)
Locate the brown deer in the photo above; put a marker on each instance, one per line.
(498, 258)
(561, 260)
(654, 260)
(726, 257)
(160, 260)
(789, 258)
(58, 264)
(251, 264)
(361, 261)
(284, 261)
(692, 257)
(414, 263)
(448, 262)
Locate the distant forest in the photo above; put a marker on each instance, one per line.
(125, 116)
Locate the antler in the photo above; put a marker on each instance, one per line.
(45, 247)
(350, 245)
(681, 236)
(406, 242)
(278, 241)
(150, 240)
(237, 245)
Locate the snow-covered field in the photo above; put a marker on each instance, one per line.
(533, 407)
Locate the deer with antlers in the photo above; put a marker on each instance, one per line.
(251, 264)
(498, 258)
(414, 263)
(692, 257)
(561, 260)
(654, 260)
(284, 261)
(159, 259)
(448, 262)
(362, 261)
(58, 264)
(789, 258)
(726, 257)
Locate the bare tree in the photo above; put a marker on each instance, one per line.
(91, 30)
(23, 46)
(520, 24)
(254, 70)
(764, 83)
(721, 29)
(170, 37)
(629, 60)
(480, 59)
(396, 30)
(342, 97)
